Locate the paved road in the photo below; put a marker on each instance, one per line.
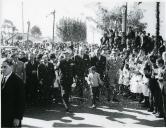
(108, 115)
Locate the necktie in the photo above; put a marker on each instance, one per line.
(3, 82)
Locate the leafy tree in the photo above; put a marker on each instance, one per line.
(108, 18)
(8, 27)
(71, 30)
(134, 17)
(35, 31)
(113, 18)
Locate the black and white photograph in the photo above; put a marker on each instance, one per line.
(83, 63)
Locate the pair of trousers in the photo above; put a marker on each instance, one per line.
(95, 92)
(66, 92)
(164, 104)
(80, 84)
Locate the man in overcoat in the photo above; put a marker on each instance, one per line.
(12, 96)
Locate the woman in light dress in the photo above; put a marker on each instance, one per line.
(126, 78)
(136, 77)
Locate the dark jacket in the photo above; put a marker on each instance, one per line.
(46, 74)
(79, 66)
(67, 72)
(31, 72)
(87, 62)
(147, 45)
(104, 40)
(99, 64)
(137, 43)
(12, 100)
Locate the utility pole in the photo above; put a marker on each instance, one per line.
(22, 18)
(52, 13)
(124, 23)
(28, 30)
(53, 25)
(157, 25)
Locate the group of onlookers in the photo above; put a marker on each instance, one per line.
(134, 69)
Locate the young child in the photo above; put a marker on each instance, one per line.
(94, 82)
(126, 79)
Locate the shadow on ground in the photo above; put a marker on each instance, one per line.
(56, 112)
(73, 125)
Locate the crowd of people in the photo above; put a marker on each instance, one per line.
(134, 69)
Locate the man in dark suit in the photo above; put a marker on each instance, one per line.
(31, 79)
(99, 62)
(23, 57)
(67, 73)
(86, 59)
(147, 45)
(80, 69)
(46, 76)
(164, 86)
(130, 37)
(12, 96)
(137, 41)
(104, 40)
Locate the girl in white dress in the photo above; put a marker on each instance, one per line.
(136, 78)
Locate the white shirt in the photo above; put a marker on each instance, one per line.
(94, 79)
(7, 77)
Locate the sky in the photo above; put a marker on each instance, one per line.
(37, 12)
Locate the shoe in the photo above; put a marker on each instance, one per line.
(154, 112)
(115, 100)
(150, 110)
(68, 111)
(159, 115)
(93, 106)
(144, 105)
